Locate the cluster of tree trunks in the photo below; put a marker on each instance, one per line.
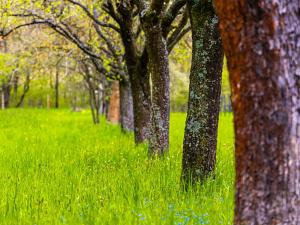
(139, 79)
(262, 45)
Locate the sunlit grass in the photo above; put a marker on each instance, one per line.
(56, 167)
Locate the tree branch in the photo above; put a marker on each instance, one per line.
(170, 15)
(91, 16)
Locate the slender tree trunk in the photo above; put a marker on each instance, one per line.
(114, 104)
(160, 95)
(25, 90)
(200, 139)
(56, 88)
(126, 105)
(2, 100)
(93, 104)
(48, 101)
(15, 84)
(6, 87)
(97, 103)
(262, 45)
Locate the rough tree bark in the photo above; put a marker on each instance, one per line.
(159, 74)
(114, 104)
(262, 45)
(200, 140)
(139, 79)
(126, 106)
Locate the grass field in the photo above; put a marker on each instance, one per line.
(56, 167)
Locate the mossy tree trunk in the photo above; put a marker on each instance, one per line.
(262, 45)
(159, 74)
(160, 96)
(200, 140)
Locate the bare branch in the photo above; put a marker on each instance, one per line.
(170, 15)
(7, 33)
(91, 16)
(172, 42)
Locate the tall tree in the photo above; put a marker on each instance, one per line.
(262, 45)
(200, 140)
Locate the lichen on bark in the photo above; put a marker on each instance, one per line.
(156, 46)
(199, 148)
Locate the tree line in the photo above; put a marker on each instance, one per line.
(130, 41)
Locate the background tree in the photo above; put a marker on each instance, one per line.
(261, 41)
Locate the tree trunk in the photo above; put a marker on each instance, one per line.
(93, 105)
(114, 104)
(6, 87)
(2, 100)
(139, 80)
(48, 101)
(126, 105)
(261, 41)
(15, 85)
(25, 91)
(200, 140)
(56, 88)
(160, 95)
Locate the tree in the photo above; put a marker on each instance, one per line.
(261, 41)
(200, 140)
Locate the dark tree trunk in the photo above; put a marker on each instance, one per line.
(56, 88)
(141, 101)
(160, 95)
(6, 87)
(262, 45)
(200, 140)
(126, 105)
(139, 80)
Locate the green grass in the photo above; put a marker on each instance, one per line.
(56, 167)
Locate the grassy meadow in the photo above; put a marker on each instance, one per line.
(56, 167)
